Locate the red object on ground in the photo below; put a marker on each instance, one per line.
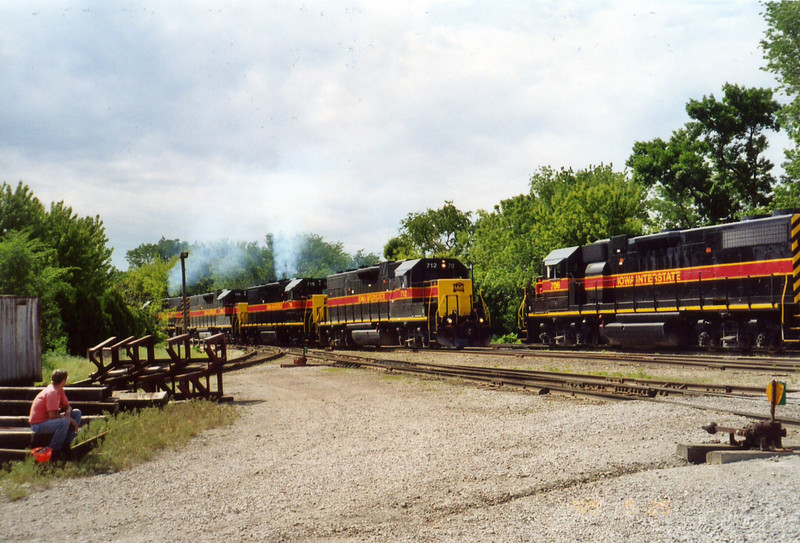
(42, 454)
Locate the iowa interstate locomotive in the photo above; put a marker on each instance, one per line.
(423, 302)
(729, 286)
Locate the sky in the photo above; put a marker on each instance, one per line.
(207, 120)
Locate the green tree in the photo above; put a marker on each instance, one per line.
(505, 257)
(399, 248)
(575, 208)
(362, 259)
(443, 232)
(563, 208)
(147, 253)
(787, 196)
(684, 194)
(319, 258)
(256, 266)
(712, 170)
(120, 319)
(68, 264)
(781, 47)
(146, 284)
(733, 131)
(80, 245)
(20, 210)
(27, 269)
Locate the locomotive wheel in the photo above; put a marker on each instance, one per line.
(774, 344)
(774, 348)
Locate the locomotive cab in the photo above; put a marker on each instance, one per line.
(560, 268)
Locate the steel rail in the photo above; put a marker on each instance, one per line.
(541, 381)
(763, 364)
(570, 384)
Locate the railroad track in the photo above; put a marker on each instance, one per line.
(747, 363)
(252, 356)
(768, 364)
(537, 382)
(541, 382)
(546, 381)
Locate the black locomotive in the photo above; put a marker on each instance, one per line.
(410, 302)
(282, 313)
(729, 286)
(423, 302)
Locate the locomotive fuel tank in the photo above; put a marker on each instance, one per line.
(657, 330)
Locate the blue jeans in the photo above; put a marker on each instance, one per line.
(63, 432)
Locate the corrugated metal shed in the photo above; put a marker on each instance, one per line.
(20, 340)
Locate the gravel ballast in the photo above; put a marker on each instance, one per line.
(322, 454)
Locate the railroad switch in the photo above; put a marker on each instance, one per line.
(302, 360)
(764, 435)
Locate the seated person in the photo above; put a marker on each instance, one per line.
(51, 412)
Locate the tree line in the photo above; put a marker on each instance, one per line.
(65, 260)
(710, 170)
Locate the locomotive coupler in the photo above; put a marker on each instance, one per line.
(764, 435)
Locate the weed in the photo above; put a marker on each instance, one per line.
(508, 338)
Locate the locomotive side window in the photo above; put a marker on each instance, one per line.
(554, 271)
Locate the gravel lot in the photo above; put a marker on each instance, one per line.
(324, 454)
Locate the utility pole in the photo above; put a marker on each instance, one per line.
(185, 300)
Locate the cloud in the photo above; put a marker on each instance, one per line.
(200, 121)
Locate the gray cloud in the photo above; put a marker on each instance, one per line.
(201, 121)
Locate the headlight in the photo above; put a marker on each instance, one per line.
(480, 321)
(449, 320)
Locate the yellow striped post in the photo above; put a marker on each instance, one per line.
(795, 238)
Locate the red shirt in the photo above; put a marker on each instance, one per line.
(49, 399)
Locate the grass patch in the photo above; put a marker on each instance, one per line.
(638, 374)
(78, 368)
(394, 376)
(134, 438)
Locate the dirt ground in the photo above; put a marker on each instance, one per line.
(323, 454)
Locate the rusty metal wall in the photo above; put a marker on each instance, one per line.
(20, 340)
